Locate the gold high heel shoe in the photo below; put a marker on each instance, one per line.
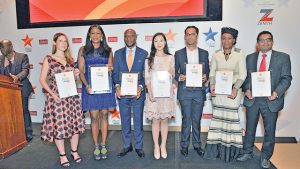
(156, 153)
(163, 155)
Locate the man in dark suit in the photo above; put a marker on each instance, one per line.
(131, 59)
(280, 65)
(16, 66)
(191, 101)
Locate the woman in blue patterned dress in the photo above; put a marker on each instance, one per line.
(96, 51)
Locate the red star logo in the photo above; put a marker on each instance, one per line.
(224, 73)
(260, 74)
(115, 113)
(170, 35)
(194, 66)
(27, 41)
(129, 75)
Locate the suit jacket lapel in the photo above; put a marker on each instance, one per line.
(184, 60)
(199, 54)
(136, 57)
(123, 58)
(273, 60)
(272, 64)
(16, 61)
(255, 61)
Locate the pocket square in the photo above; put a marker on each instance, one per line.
(140, 60)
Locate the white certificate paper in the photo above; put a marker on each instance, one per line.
(161, 84)
(261, 84)
(66, 84)
(223, 82)
(193, 75)
(99, 78)
(129, 83)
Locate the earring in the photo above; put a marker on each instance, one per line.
(90, 39)
(101, 39)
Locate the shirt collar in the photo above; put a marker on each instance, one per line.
(269, 53)
(187, 49)
(133, 49)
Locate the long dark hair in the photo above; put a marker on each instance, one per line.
(153, 49)
(104, 50)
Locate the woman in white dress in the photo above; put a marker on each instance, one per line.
(225, 135)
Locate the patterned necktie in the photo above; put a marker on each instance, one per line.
(129, 60)
(8, 69)
(262, 67)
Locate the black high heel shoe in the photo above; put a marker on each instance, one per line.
(76, 160)
(65, 163)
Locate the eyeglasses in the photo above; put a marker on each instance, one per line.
(267, 39)
(192, 34)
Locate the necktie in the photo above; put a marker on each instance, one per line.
(262, 67)
(8, 69)
(129, 60)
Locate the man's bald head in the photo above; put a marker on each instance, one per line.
(6, 47)
(5, 42)
(130, 38)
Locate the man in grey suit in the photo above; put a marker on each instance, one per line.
(16, 66)
(280, 65)
(191, 100)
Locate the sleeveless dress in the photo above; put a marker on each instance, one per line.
(163, 107)
(96, 101)
(64, 119)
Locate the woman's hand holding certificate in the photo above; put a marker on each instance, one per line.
(66, 84)
(224, 82)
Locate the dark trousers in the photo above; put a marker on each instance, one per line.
(192, 107)
(137, 105)
(27, 117)
(260, 106)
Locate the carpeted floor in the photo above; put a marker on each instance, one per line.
(40, 154)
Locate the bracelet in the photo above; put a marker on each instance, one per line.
(88, 86)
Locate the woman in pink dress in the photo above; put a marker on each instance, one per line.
(159, 110)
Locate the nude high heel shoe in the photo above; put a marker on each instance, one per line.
(156, 153)
(163, 152)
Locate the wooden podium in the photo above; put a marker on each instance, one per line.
(12, 129)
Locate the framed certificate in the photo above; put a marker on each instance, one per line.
(223, 82)
(65, 84)
(194, 73)
(261, 84)
(99, 79)
(129, 83)
(161, 83)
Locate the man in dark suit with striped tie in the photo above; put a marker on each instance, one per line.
(16, 66)
(280, 65)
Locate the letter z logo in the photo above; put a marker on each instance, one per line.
(266, 18)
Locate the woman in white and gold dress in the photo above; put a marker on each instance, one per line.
(159, 110)
(225, 135)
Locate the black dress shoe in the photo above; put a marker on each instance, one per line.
(265, 163)
(29, 138)
(124, 151)
(140, 152)
(199, 150)
(184, 151)
(245, 157)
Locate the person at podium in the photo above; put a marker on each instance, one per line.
(16, 66)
